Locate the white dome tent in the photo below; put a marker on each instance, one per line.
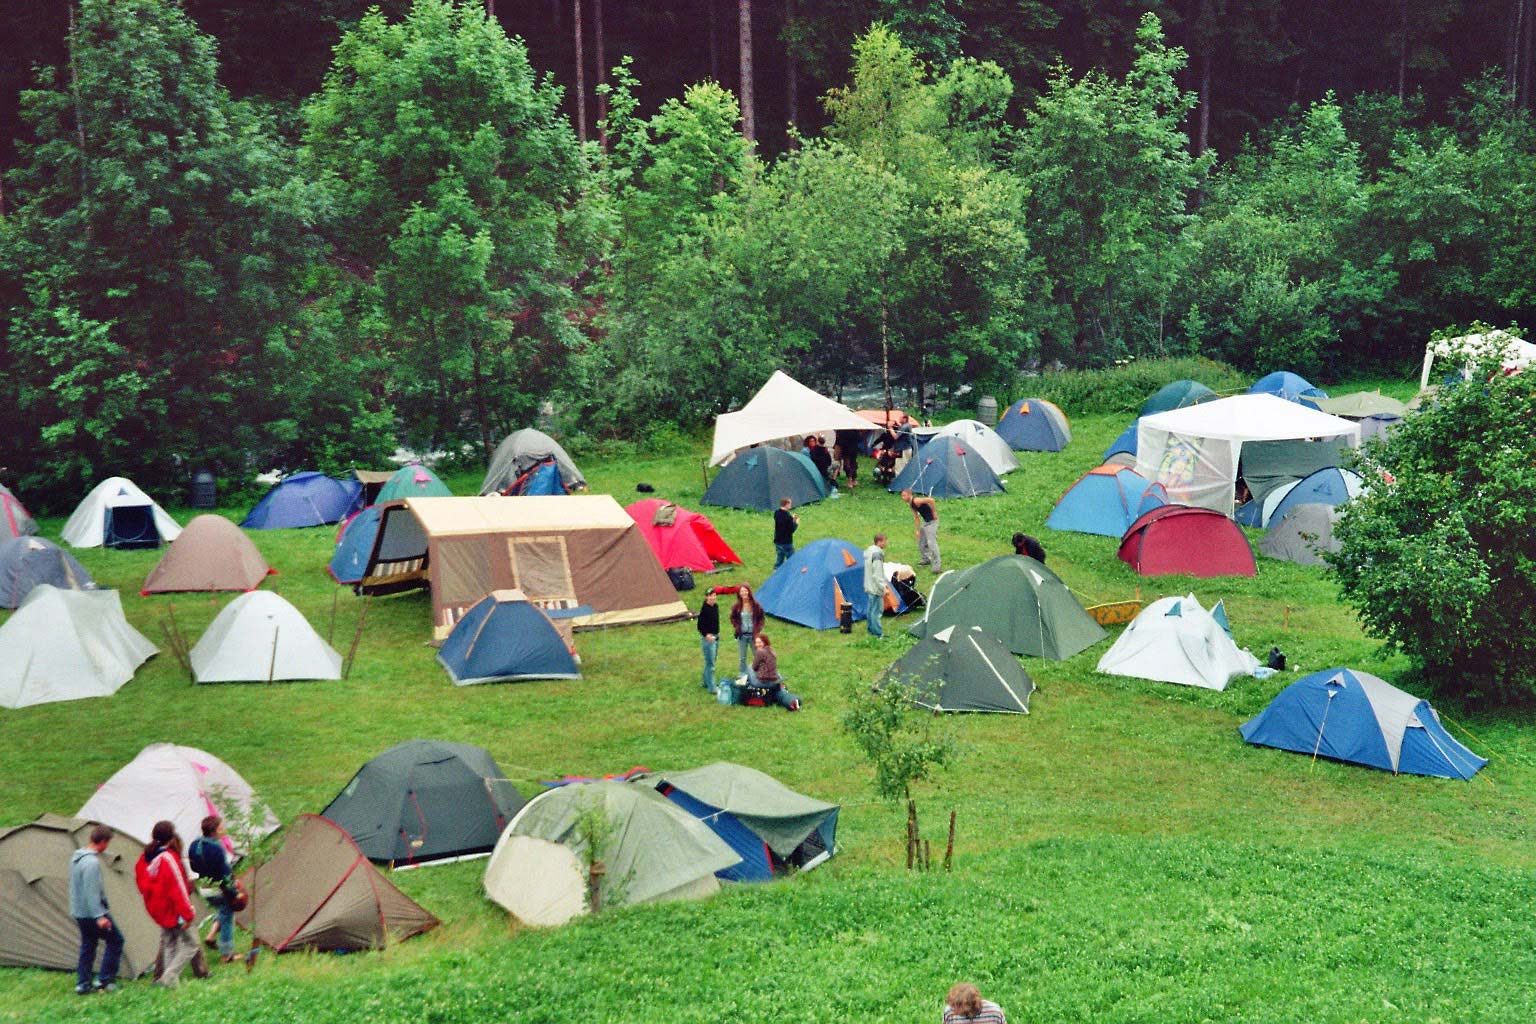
(180, 784)
(260, 637)
(1175, 640)
(118, 514)
(67, 645)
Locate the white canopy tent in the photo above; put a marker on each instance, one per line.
(1512, 352)
(1194, 452)
(782, 408)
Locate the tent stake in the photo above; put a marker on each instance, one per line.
(949, 851)
(272, 665)
(362, 617)
(330, 636)
(179, 643)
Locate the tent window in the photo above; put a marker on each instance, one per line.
(540, 569)
(463, 571)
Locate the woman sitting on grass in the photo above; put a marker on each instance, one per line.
(765, 667)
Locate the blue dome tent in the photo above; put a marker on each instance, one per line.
(947, 468)
(1332, 486)
(1034, 425)
(808, 588)
(304, 499)
(1125, 444)
(505, 638)
(354, 545)
(1106, 501)
(1351, 716)
(1290, 386)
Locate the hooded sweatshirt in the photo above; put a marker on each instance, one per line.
(87, 898)
(164, 887)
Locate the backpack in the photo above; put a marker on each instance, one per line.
(204, 863)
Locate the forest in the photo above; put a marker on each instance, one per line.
(298, 234)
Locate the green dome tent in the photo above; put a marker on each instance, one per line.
(1017, 600)
(960, 669)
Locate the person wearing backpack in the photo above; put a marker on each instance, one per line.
(210, 862)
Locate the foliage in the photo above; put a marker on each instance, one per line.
(901, 744)
(1124, 387)
(1439, 555)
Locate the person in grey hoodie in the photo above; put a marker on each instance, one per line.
(88, 906)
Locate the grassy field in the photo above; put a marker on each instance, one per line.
(1122, 855)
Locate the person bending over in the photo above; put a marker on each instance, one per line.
(964, 1005)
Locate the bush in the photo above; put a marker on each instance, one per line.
(1125, 387)
(1439, 556)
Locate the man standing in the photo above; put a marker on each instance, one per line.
(709, 635)
(822, 458)
(88, 906)
(785, 523)
(874, 585)
(925, 514)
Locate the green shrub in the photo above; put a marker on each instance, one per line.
(1122, 388)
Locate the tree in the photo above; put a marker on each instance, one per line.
(744, 44)
(1439, 554)
(457, 189)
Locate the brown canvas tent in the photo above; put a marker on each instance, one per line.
(373, 481)
(564, 552)
(212, 553)
(320, 892)
(35, 927)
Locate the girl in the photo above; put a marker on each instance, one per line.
(746, 622)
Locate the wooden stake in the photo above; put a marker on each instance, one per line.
(330, 636)
(179, 642)
(911, 832)
(949, 851)
(272, 665)
(927, 856)
(1287, 624)
(362, 617)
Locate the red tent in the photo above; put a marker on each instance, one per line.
(689, 542)
(1174, 539)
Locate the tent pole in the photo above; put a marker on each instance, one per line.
(272, 664)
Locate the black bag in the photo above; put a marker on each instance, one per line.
(1277, 659)
(681, 577)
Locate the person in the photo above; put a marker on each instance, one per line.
(874, 585)
(765, 670)
(964, 1004)
(1024, 544)
(847, 452)
(821, 457)
(168, 902)
(746, 623)
(709, 636)
(785, 523)
(88, 906)
(210, 861)
(925, 514)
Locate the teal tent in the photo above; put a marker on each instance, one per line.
(1017, 600)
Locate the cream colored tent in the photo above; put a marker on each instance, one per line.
(565, 552)
(117, 514)
(1513, 353)
(260, 637)
(784, 408)
(66, 645)
(182, 785)
(1175, 640)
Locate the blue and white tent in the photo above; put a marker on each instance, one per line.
(504, 638)
(1292, 387)
(1106, 501)
(1125, 444)
(354, 546)
(808, 588)
(1333, 486)
(305, 499)
(1355, 717)
(946, 467)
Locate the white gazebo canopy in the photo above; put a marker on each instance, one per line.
(1511, 351)
(783, 408)
(1194, 451)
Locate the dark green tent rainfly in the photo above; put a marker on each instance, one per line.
(963, 669)
(1176, 396)
(759, 478)
(1017, 600)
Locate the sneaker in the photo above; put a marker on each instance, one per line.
(83, 990)
(106, 986)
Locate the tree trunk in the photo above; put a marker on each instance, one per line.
(748, 118)
(885, 357)
(602, 73)
(1402, 48)
(74, 89)
(791, 70)
(1528, 53)
(581, 73)
(714, 39)
(1205, 101)
(490, 10)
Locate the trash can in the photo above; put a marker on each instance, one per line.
(986, 410)
(205, 490)
(845, 617)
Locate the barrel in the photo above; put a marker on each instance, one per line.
(205, 490)
(986, 410)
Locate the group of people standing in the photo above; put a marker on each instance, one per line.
(165, 885)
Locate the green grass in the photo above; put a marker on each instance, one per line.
(1122, 855)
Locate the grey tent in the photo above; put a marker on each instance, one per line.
(260, 637)
(26, 562)
(425, 800)
(1268, 465)
(1016, 599)
(519, 452)
(963, 669)
(1359, 405)
(67, 645)
(1303, 535)
(35, 927)
(319, 892)
(15, 521)
(759, 478)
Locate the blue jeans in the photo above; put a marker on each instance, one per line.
(226, 925)
(782, 553)
(91, 934)
(710, 648)
(872, 612)
(744, 648)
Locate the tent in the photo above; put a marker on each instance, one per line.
(1379, 425)
(1195, 452)
(67, 645)
(767, 824)
(979, 438)
(566, 552)
(656, 852)
(504, 638)
(1360, 404)
(372, 481)
(947, 468)
(260, 638)
(1180, 539)
(212, 553)
(1512, 353)
(680, 538)
(521, 451)
(963, 669)
(1105, 501)
(424, 800)
(783, 408)
(354, 543)
(760, 478)
(27, 562)
(1122, 450)
(1303, 535)
(305, 499)
(542, 480)
(412, 482)
(1175, 640)
(179, 784)
(882, 418)
(15, 521)
(319, 892)
(1332, 486)
(1352, 716)
(1290, 386)
(116, 514)
(1176, 396)
(1270, 466)
(1017, 600)
(36, 929)
(811, 585)
(1035, 425)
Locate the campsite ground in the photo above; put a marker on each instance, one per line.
(1122, 855)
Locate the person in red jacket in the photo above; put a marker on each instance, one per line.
(167, 899)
